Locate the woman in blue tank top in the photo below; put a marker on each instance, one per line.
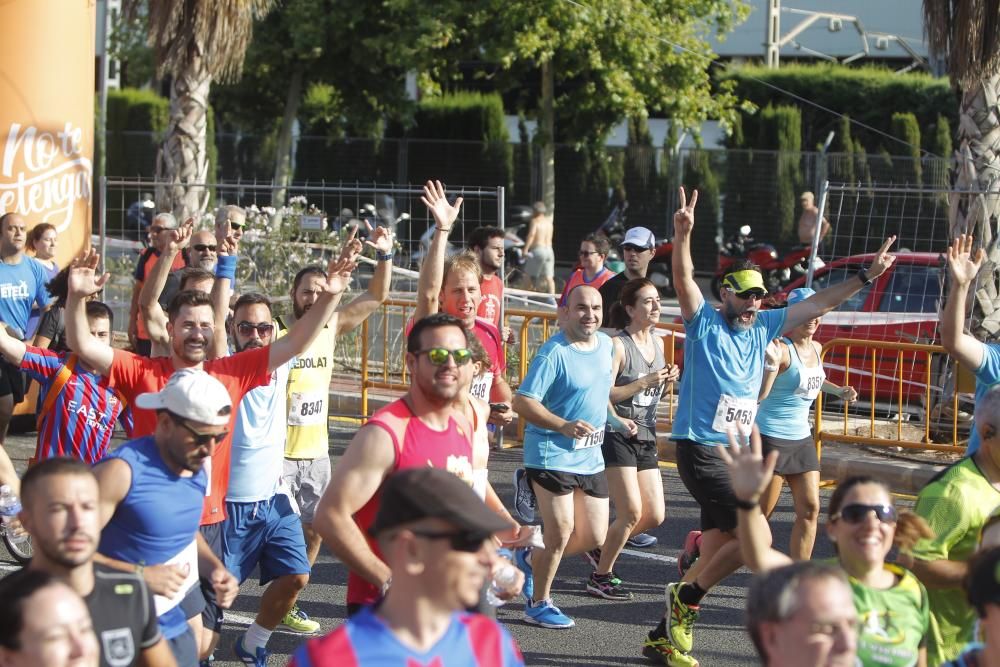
(793, 378)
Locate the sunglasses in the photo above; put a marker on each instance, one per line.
(200, 439)
(750, 294)
(633, 248)
(155, 230)
(237, 225)
(201, 247)
(587, 253)
(439, 355)
(856, 513)
(246, 328)
(468, 542)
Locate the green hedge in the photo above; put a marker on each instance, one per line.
(135, 124)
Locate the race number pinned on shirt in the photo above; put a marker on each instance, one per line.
(307, 408)
(595, 439)
(187, 561)
(734, 412)
(810, 382)
(647, 397)
(481, 386)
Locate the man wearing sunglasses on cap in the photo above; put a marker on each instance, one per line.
(957, 504)
(152, 490)
(423, 428)
(723, 370)
(435, 535)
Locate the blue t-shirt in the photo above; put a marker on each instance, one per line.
(571, 384)
(258, 447)
(21, 285)
(718, 362)
(987, 375)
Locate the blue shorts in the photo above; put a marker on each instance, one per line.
(266, 533)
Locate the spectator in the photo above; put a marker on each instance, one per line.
(137, 334)
(594, 250)
(808, 220)
(541, 259)
(638, 248)
(42, 243)
(982, 589)
(202, 253)
(487, 244)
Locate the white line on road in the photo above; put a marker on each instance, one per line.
(649, 556)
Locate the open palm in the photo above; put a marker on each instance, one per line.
(436, 201)
(962, 265)
(83, 279)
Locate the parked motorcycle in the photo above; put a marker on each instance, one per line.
(778, 271)
(613, 229)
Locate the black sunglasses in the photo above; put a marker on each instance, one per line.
(201, 247)
(237, 225)
(439, 355)
(200, 439)
(246, 328)
(633, 248)
(856, 513)
(587, 253)
(751, 294)
(468, 542)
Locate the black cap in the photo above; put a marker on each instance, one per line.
(421, 493)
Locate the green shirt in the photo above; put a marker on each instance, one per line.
(956, 504)
(892, 623)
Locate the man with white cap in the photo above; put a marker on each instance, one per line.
(436, 536)
(151, 494)
(723, 369)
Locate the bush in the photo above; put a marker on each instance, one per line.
(908, 168)
(780, 130)
(136, 122)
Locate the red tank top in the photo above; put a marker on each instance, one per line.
(415, 444)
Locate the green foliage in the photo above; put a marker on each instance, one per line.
(136, 122)
(940, 138)
(908, 168)
(699, 175)
(640, 179)
(780, 129)
(841, 165)
(127, 43)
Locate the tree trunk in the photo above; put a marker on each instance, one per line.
(182, 161)
(977, 213)
(547, 137)
(283, 160)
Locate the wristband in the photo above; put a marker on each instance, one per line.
(383, 256)
(225, 267)
(746, 504)
(139, 567)
(863, 277)
(770, 367)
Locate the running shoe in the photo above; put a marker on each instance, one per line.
(525, 503)
(521, 560)
(607, 586)
(659, 649)
(641, 541)
(547, 615)
(593, 557)
(256, 659)
(680, 619)
(298, 621)
(691, 552)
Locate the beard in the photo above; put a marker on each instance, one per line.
(298, 310)
(249, 345)
(735, 320)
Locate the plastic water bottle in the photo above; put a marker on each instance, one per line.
(10, 505)
(503, 579)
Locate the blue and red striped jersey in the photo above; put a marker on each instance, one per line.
(471, 640)
(81, 420)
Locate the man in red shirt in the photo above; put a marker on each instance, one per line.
(486, 243)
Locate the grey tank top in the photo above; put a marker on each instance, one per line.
(641, 407)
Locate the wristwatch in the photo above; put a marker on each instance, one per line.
(863, 277)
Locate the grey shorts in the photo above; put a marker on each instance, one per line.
(541, 263)
(306, 480)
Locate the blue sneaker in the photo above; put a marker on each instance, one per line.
(525, 503)
(258, 659)
(641, 541)
(521, 560)
(547, 615)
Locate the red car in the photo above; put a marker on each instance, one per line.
(901, 305)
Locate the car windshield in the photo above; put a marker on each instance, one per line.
(837, 275)
(912, 289)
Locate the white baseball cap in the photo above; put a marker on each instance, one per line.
(192, 394)
(640, 237)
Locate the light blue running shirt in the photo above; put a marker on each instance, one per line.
(722, 373)
(785, 411)
(571, 384)
(987, 375)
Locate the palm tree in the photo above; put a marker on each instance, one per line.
(967, 34)
(195, 42)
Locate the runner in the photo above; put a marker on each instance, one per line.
(632, 468)
(143, 477)
(436, 537)
(564, 400)
(723, 362)
(793, 378)
(422, 428)
(594, 250)
(60, 513)
(486, 243)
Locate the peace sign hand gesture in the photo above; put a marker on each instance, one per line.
(883, 260)
(684, 216)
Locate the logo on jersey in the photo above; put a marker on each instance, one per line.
(118, 647)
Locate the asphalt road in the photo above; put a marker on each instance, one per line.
(606, 632)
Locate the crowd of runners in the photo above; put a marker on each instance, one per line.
(139, 549)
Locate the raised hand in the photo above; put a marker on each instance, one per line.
(339, 270)
(436, 202)
(684, 216)
(224, 236)
(83, 280)
(772, 353)
(180, 237)
(749, 471)
(379, 238)
(962, 266)
(883, 260)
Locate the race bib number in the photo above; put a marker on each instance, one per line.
(481, 387)
(810, 382)
(595, 439)
(648, 397)
(307, 408)
(732, 411)
(187, 558)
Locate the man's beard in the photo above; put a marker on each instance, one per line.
(298, 310)
(249, 345)
(734, 319)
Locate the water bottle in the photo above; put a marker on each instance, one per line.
(503, 579)
(9, 508)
